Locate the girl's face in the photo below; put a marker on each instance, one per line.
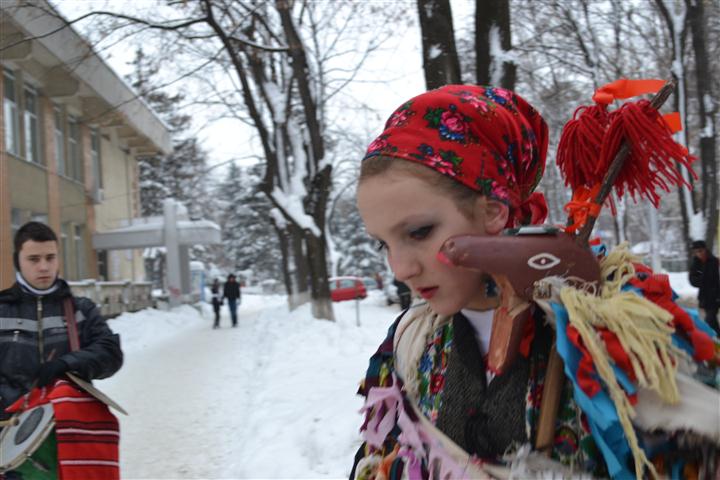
(411, 219)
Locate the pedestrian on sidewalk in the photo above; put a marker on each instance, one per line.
(404, 294)
(705, 276)
(216, 301)
(232, 293)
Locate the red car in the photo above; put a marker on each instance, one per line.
(346, 288)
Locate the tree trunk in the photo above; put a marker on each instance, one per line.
(301, 274)
(317, 260)
(678, 32)
(492, 43)
(706, 105)
(285, 252)
(318, 185)
(440, 59)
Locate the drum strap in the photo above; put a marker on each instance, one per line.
(71, 324)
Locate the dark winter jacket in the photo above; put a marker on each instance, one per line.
(231, 290)
(26, 320)
(216, 298)
(706, 277)
(402, 288)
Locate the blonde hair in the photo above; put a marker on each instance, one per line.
(463, 196)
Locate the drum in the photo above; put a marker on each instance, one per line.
(20, 441)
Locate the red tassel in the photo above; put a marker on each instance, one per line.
(590, 141)
(580, 143)
(651, 164)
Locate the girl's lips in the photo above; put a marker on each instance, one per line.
(427, 293)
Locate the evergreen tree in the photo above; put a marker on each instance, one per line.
(181, 173)
(250, 243)
(358, 253)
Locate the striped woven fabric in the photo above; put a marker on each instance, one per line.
(87, 432)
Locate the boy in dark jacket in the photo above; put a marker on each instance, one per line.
(34, 338)
(705, 275)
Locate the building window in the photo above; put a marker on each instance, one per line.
(75, 162)
(79, 252)
(59, 141)
(64, 243)
(96, 161)
(32, 130)
(102, 264)
(16, 220)
(10, 111)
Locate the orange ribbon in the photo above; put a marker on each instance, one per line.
(626, 88)
(581, 206)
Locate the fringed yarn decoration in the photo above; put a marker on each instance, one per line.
(579, 147)
(656, 288)
(644, 332)
(651, 163)
(590, 141)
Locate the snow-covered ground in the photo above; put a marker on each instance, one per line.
(273, 398)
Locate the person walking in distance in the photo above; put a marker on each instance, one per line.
(404, 294)
(231, 291)
(705, 276)
(216, 301)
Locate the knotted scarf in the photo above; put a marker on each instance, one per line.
(487, 138)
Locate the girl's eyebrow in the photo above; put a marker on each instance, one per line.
(412, 220)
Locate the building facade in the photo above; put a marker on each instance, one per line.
(70, 134)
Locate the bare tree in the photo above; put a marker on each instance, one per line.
(440, 59)
(707, 109)
(494, 63)
(272, 56)
(675, 16)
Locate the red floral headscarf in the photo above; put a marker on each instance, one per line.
(487, 138)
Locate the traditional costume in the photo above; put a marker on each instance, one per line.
(638, 390)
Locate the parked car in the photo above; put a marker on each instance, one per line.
(391, 293)
(370, 283)
(346, 288)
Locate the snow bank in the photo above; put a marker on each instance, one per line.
(273, 398)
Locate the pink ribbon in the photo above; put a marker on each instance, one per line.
(384, 408)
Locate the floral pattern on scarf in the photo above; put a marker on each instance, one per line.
(489, 139)
(431, 372)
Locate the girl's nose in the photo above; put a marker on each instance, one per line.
(404, 267)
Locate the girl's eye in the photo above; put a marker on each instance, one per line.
(421, 233)
(381, 245)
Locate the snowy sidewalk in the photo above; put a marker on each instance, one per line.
(273, 398)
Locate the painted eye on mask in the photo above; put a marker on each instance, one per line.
(543, 261)
(421, 233)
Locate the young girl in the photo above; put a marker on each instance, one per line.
(457, 160)
(216, 298)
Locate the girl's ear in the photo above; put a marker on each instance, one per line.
(495, 215)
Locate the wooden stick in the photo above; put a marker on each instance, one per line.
(554, 378)
(550, 403)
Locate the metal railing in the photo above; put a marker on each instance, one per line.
(114, 298)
